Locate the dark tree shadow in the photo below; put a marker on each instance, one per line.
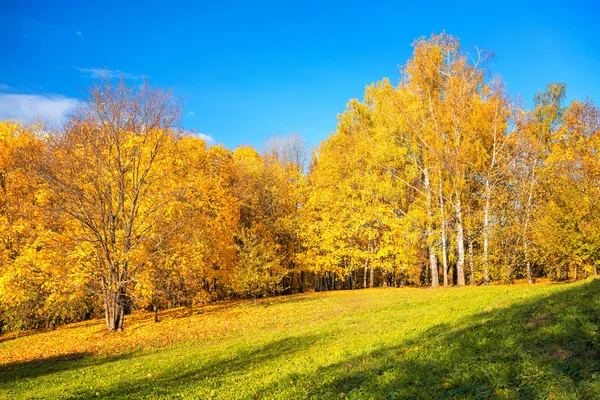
(545, 348)
(171, 381)
(18, 371)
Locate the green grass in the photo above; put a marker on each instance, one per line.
(521, 341)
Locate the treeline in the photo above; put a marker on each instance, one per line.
(441, 179)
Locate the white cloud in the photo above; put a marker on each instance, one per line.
(207, 138)
(103, 73)
(79, 34)
(190, 113)
(53, 109)
(4, 87)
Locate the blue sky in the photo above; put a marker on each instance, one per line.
(252, 69)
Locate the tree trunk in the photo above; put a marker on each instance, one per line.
(423, 274)
(155, 309)
(433, 264)
(460, 245)
(528, 263)
(113, 294)
(113, 310)
(575, 271)
(486, 234)
(372, 277)
(471, 263)
(564, 273)
(526, 224)
(366, 273)
(435, 280)
(444, 226)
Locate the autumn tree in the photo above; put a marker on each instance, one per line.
(438, 177)
(537, 132)
(263, 257)
(192, 247)
(333, 215)
(357, 209)
(490, 161)
(38, 287)
(567, 219)
(106, 170)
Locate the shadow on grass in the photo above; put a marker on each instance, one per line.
(18, 371)
(545, 348)
(206, 373)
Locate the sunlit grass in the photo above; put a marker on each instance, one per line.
(477, 342)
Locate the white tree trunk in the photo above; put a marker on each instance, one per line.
(486, 233)
(526, 224)
(460, 244)
(433, 264)
(471, 262)
(444, 238)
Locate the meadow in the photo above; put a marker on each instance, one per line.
(519, 341)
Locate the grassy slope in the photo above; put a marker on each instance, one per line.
(475, 342)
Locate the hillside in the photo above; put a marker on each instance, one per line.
(477, 342)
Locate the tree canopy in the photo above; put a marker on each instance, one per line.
(442, 179)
